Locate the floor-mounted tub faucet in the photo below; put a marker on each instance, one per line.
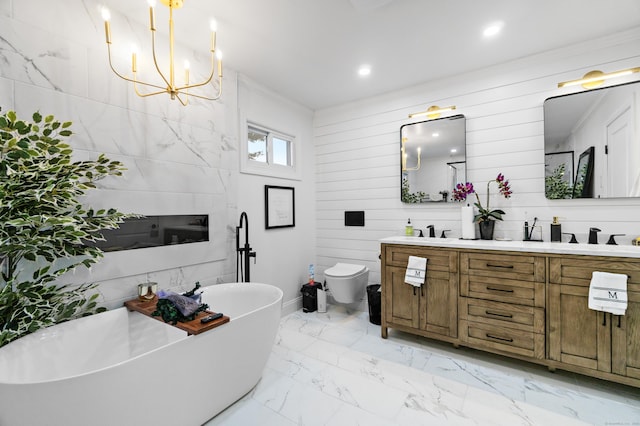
(244, 252)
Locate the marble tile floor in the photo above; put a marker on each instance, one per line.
(335, 369)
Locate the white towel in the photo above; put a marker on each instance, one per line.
(416, 271)
(608, 292)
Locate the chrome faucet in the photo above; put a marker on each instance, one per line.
(593, 235)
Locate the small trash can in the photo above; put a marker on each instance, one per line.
(374, 298)
(310, 297)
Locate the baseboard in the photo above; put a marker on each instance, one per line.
(291, 306)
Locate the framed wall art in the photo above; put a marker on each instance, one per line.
(280, 210)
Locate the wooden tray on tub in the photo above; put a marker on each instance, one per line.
(146, 307)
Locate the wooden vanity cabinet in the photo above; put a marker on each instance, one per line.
(593, 342)
(527, 305)
(429, 310)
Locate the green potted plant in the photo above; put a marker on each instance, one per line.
(44, 226)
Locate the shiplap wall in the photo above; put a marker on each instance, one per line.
(358, 162)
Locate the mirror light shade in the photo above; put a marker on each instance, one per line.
(433, 111)
(596, 78)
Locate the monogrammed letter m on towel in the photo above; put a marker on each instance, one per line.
(608, 292)
(416, 271)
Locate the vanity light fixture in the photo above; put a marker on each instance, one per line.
(170, 87)
(433, 111)
(404, 158)
(596, 78)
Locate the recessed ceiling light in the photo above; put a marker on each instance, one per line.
(364, 70)
(453, 150)
(492, 29)
(435, 134)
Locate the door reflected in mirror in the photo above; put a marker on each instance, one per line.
(592, 143)
(432, 159)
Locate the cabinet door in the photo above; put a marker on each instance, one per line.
(577, 335)
(402, 300)
(433, 307)
(439, 301)
(626, 337)
(581, 336)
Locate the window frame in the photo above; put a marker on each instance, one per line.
(269, 168)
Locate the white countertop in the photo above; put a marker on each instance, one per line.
(524, 246)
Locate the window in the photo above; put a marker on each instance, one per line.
(268, 152)
(281, 151)
(257, 145)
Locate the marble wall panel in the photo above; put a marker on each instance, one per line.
(77, 20)
(42, 59)
(5, 8)
(6, 95)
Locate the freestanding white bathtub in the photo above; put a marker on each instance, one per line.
(122, 368)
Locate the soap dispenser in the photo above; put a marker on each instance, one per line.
(556, 230)
(408, 230)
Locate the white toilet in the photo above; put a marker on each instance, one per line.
(347, 282)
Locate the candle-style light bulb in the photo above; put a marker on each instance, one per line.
(152, 19)
(214, 27)
(106, 15)
(186, 72)
(134, 59)
(219, 56)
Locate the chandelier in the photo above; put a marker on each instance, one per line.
(169, 86)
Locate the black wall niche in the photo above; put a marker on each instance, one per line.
(155, 231)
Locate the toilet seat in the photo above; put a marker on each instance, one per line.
(344, 270)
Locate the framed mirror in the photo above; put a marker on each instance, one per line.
(600, 130)
(432, 159)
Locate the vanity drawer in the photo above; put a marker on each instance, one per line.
(504, 278)
(508, 266)
(437, 259)
(502, 339)
(578, 271)
(525, 318)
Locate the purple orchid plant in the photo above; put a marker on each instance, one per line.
(462, 190)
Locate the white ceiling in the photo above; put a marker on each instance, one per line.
(310, 50)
